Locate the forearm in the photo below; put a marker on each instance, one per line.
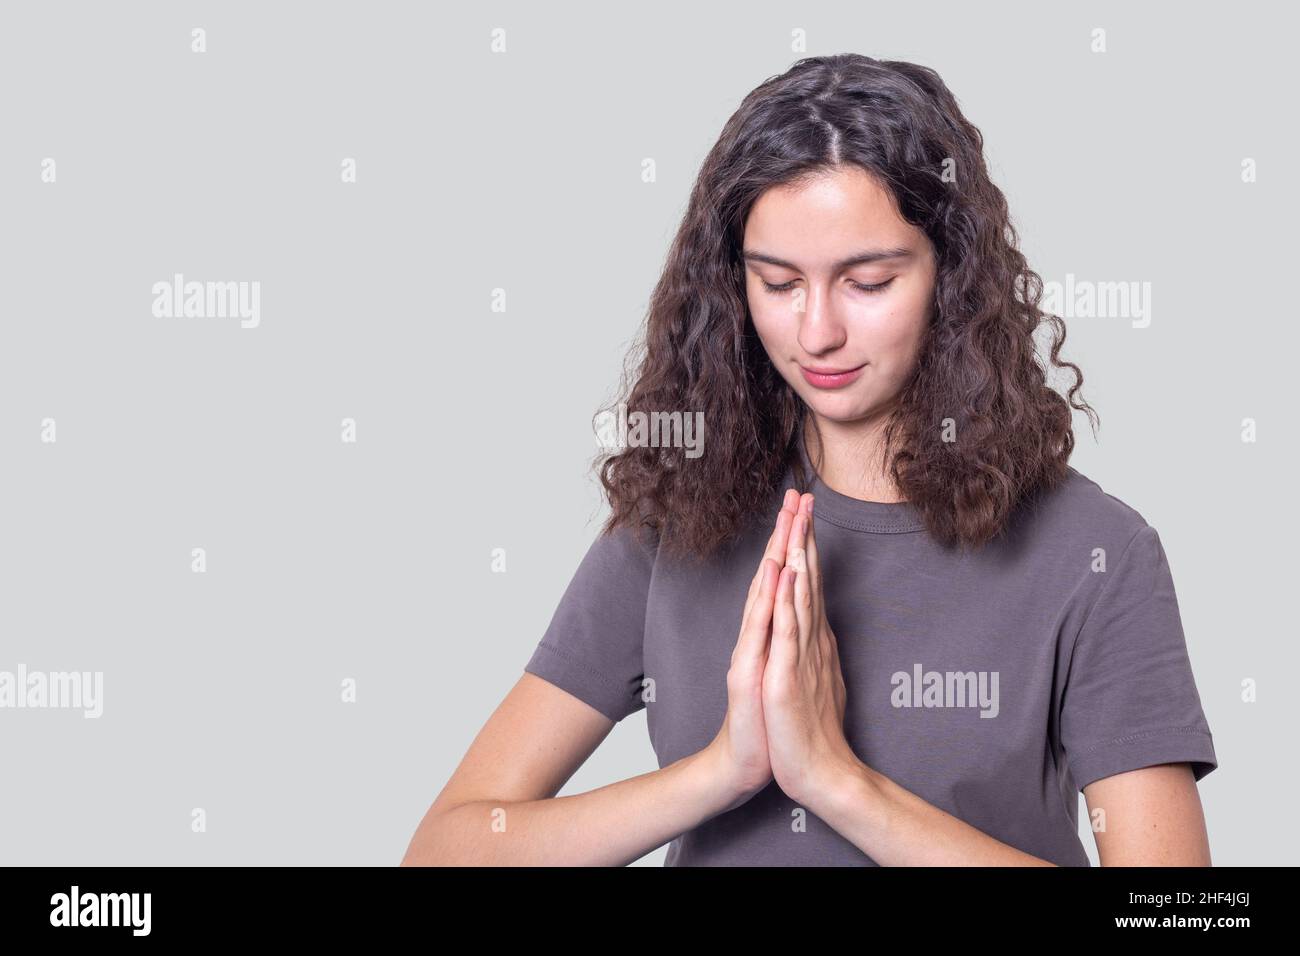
(610, 826)
(895, 827)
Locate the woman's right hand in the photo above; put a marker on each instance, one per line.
(740, 747)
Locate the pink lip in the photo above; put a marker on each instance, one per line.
(830, 377)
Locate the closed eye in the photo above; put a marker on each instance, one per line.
(787, 286)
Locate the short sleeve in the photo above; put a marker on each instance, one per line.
(1130, 699)
(592, 648)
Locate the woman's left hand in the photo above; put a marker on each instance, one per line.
(803, 686)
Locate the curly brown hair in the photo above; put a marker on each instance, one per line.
(978, 364)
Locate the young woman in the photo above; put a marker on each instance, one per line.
(880, 620)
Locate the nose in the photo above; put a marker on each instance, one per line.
(820, 329)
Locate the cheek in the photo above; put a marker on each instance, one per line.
(891, 346)
(891, 342)
(768, 319)
(900, 333)
(900, 327)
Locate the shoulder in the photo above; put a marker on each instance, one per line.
(1080, 510)
(1085, 498)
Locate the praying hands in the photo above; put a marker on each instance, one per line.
(785, 719)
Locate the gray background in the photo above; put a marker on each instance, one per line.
(522, 171)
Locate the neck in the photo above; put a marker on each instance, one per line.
(852, 457)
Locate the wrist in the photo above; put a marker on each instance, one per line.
(723, 784)
(847, 782)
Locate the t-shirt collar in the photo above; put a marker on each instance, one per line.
(878, 517)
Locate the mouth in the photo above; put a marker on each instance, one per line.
(830, 378)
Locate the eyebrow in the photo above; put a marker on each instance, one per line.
(861, 258)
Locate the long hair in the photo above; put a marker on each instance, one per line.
(978, 374)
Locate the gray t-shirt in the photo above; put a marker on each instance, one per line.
(994, 685)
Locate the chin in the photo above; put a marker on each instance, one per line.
(845, 407)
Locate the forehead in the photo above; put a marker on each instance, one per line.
(822, 216)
